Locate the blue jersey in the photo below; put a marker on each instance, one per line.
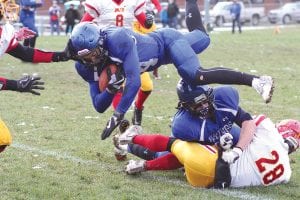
(139, 53)
(189, 127)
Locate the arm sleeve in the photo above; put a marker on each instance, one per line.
(87, 17)
(101, 100)
(157, 5)
(29, 54)
(129, 55)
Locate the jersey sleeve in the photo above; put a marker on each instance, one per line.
(140, 7)
(93, 8)
(227, 99)
(123, 49)
(7, 39)
(101, 100)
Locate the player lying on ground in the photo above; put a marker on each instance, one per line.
(205, 114)
(139, 53)
(264, 162)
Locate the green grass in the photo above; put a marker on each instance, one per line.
(57, 152)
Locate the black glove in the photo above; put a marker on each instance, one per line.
(112, 123)
(222, 178)
(116, 81)
(149, 19)
(71, 52)
(26, 84)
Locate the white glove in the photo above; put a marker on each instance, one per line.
(226, 141)
(231, 156)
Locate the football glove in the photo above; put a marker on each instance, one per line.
(30, 84)
(226, 141)
(70, 52)
(222, 178)
(149, 19)
(230, 156)
(112, 123)
(116, 81)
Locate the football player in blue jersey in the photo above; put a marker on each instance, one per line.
(210, 116)
(138, 53)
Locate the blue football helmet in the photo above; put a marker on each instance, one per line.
(198, 100)
(87, 43)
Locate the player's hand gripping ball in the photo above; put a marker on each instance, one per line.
(111, 78)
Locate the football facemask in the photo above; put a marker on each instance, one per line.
(93, 57)
(9, 10)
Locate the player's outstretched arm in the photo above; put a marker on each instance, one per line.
(34, 55)
(26, 83)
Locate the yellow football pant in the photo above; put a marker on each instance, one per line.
(199, 162)
(5, 136)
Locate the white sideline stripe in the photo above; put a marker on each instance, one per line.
(65, 156)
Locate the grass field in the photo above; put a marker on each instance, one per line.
(57, 152)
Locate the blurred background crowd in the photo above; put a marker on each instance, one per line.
(58, 17)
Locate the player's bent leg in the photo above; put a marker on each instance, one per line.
(199, 162)
(198, 40)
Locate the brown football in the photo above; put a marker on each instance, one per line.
(104, 77)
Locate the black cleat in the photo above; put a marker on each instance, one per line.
(124, 124)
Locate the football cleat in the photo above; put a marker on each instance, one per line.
(128, 135)
(264, 85)
(124, 125)
(135, 166)
(137, 116)
(120, 151)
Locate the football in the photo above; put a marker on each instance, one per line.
(105, 75)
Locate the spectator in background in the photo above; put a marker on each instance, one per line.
(164, 16)
(173, 11)
(27, 18)
(71, 15)
(235, 11)
(81, 9)
(54, 13)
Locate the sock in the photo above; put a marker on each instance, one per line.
(141, 151)
(223, 76)
(193, 17)
(116, 99)
(167, 162)
(154, 142)
(141, 98)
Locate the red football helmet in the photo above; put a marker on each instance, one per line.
(289, 127)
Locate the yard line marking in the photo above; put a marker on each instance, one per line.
(105, 166)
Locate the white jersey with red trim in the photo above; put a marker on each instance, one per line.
(110, 13)
(7, 38)
(265, 161)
